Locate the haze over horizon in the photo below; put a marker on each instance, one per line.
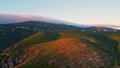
(89, 12)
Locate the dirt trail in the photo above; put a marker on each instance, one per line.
(28, 59)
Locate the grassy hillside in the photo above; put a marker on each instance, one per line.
(117, 38)
(69, 53)
(33, 39)
(13, 33)
(64, 49)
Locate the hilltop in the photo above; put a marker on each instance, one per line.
(46, 45)
(62, 49)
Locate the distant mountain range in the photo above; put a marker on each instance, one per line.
(14, 18)
(11, 18)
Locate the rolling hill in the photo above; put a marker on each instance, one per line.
(65, 49)
(35, 44)
(12, 33)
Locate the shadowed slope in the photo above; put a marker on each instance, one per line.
(34, 39)
(21, 52)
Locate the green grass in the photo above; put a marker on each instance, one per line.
(35, 39)
(66, 51)
(67, 47)
(117, 38)
(108, 42)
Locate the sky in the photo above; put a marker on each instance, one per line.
(90, 12)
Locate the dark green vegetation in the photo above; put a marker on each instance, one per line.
(12, 33)
(45, 45)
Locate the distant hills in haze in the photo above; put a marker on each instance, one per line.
(11, 18)
(14, 18)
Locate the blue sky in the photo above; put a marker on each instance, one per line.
(78, 11)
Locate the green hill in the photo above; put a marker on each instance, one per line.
(13, 33)
(65, 49)
(68, 52)
(33, 39)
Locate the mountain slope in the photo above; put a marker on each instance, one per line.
(70, 53)
(115, 37)
(62, 49)
(34, 39)
(12, 33)
(22, 49)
